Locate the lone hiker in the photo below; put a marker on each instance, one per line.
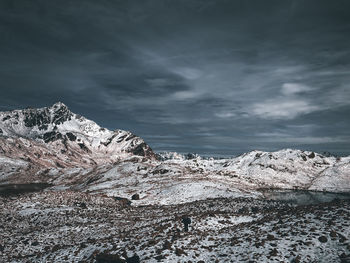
(186, 221)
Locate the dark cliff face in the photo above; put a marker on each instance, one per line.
(57, 114)
(143, 149)
(43, 125)
(52, 136)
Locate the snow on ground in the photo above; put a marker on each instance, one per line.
(182, 180)
(77, 227)
(54, 137)
(82, 218)
(162, 183)
(335, 178)
(185, 180)
(219, 222)
(54, 145)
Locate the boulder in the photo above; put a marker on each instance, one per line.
(322, 239)
(135, 197)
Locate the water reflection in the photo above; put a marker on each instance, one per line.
(17, 189)
(303, 197)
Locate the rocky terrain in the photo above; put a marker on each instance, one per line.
(37, 143)
(79, 227)
(72, 191)
(181, 180)
(53, 145)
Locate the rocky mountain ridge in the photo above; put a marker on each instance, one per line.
(34, 140)
(54, 145)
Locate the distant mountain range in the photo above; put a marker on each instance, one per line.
(54, 145)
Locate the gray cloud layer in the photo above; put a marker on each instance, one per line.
(218, 76)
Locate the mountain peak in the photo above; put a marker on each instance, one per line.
(59, 104)
(56, 124)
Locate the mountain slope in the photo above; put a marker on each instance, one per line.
(55, 138)
(54, 145)
(181, 180)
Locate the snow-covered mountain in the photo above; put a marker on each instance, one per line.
(55, 138)
(178, 180)
(165, 156)
(54, 145)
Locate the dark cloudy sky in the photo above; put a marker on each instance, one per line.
(221, 76)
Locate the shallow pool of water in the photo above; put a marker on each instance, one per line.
(17, 189)
(303, 197)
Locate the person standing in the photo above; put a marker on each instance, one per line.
(186, 221)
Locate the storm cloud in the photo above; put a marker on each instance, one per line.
(213, 77)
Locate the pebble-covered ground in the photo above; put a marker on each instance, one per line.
(78, 227)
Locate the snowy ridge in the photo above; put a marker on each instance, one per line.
(55, 138)
(178, 181)
(54, 145)
(166, 156)
(57, 122)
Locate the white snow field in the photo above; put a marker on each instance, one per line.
(90, 175)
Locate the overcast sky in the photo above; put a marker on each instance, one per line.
(212, 77)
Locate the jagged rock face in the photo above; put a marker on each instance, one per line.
(69, 137)
(57, 146)
(42, 118)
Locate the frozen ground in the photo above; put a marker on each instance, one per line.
(85, 215)
(54, 145)
(179, 180)
(77, 227)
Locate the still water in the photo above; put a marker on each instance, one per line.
(303, 197)
(16, 189)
